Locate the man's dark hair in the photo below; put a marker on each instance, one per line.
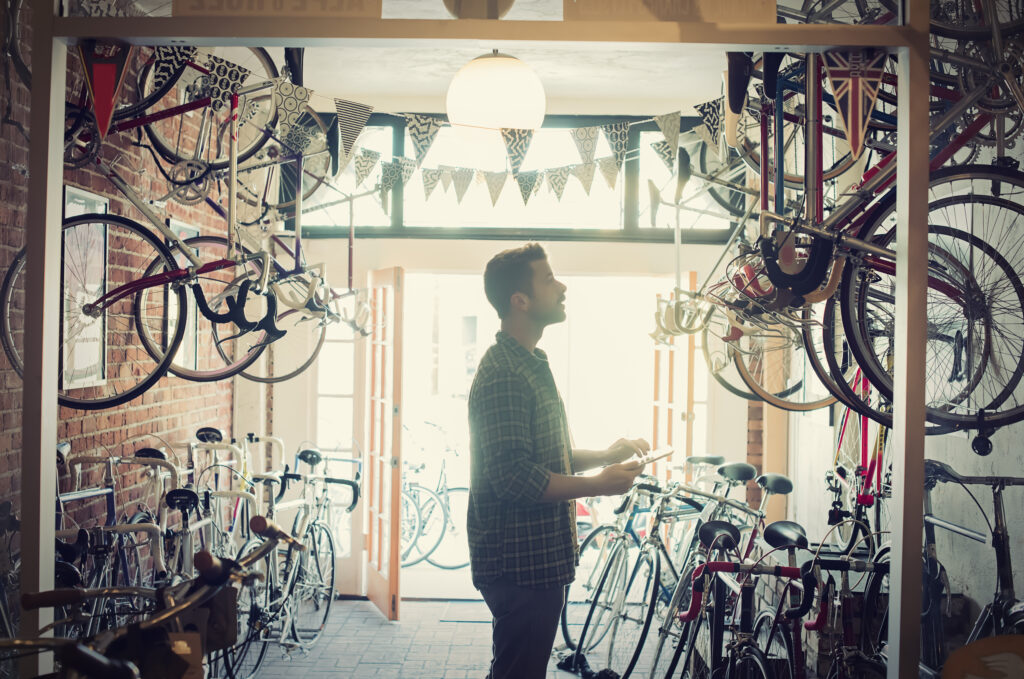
(510, 272)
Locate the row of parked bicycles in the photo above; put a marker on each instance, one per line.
(117, 580)
(689, 582)
(800, 309)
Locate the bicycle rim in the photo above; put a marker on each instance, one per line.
(243, 660)
(775, 642)
(411, 522)
(633, 619)
(453, 552)
(750, 664)
(600, 615)
(593, 556)
(313, 591)
(103, 361)
(434, 519)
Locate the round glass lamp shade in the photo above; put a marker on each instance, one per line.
(496, 91)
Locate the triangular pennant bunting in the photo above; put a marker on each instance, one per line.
(585, 173)
(407, 166)
(422, 130)
(586, 142)
(105, 70)
(710, 113)
(168, 61)
(352, 117)
(704, 135)
(290, 103)
(461, 178)
(495, 183)
(669, 126)
(855, 76)
(390, 174)
(617, 135)
(517, 142)
(365, 163)
(224, 79)
(431, 178)
(539, 184)
(446, 176)
(666, 153)
(557, 179)
(527, 182)
(609, 168)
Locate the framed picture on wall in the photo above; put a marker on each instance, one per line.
(84, 256)
(189, 350)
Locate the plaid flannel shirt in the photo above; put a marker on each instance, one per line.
(518, 436)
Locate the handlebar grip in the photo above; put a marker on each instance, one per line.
(351, 484)
(650, 488)
(94, 664)
(266, 528)
(810, 583)
(696, 598)
(54, 597)
(284, 485)
(211, 569)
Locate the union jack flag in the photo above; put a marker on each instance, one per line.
(855, 77)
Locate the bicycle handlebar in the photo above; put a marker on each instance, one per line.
(95, 664)
(266, 528)
(289, 476)
(810, 583)
(351, 484)
(66, 596)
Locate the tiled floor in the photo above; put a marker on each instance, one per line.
(434, 640)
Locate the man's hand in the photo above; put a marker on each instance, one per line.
(623, 449)
(616, 479)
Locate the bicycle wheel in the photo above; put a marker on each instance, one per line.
(314, 587)
(602, 609)
(411, 522)
(719, 358)
(975, 347)
(965, 19)
(874, 631)
(855, 667)
(594, 553)
(691, 661)
(750, 663)
(733, 171)
(244, 659)
(453, 552)
(434, 522)
(202, 134)
(19, 15)
(775, 641)
(206, 354)
(634, 613)
(671, 632)
(103, 360)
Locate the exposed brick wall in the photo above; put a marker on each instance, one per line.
(755, 447)
(174, 408)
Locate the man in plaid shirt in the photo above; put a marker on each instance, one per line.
(522, 518)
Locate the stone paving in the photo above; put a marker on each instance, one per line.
(434, 640)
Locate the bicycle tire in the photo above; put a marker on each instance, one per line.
(733, 202)
(632, 622)
(313, 589)
(244, 659)
(593, 555)
(132, 250)
(749, 663)
(689, 667)
(967, 25)
(599, 616)
(720, 363)
(166, 136)
(294, 322)
(409, 527)
(856, 667)
(205, 349)
(951, 189)
(453, 552)
(775, 642)
(434, 520)
(15, 41)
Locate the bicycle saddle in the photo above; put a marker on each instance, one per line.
(209, 435)
(310, 456)
(66, 575)
(940, 471)
(73, 551)
(184, 499)
(151, 453)
(63, 450)
(785, 535)
(737, 472)
(777, 484)
(713, 460)
(721, 534)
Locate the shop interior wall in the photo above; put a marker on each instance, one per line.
(174, 408)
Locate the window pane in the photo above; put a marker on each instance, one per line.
(484, 150)
(334, 421)
(335, 367)
(367, 210)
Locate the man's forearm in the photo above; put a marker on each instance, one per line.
(561, 487)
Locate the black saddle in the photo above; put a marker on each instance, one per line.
(151, 453)
(777, 484)
(71, 552)
(66, 575)
(311, 456)
(721, 534)
(209, 435)
(940, 471)
(785, 535)
(184, 499)
(738, 472)
(713, 460)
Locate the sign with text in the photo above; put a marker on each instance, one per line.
(365, 9)
(705, 11)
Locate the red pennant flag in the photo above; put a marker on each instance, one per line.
(104, 63)
(855, 77)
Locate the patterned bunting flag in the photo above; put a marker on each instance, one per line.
(668, 123)
(704, 135)
(585, 173)
(422, 130)
(407, 166)
(290, 103)
(224, 79)
(855, 76)
(517, 142)
(446, 176)
(495, 183)
(610, 169)
(617, 134)
(557, 179)
(430, 181)
(527, 183)
(168, 61)
(352, 117)
(462, 177)
(586, 142)
(390, 173)
(365, 162)
(540, 181)
(666, 153)
(710, 113)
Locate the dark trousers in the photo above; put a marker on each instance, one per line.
(524, 626)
